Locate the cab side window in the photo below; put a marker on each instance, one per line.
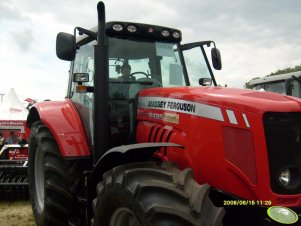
(83, 63)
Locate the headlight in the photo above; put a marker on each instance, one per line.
(282, 215)
(289, 178)
(285, 177)
(132, 28)
(165, 33)
(176, 34)
(117, 27)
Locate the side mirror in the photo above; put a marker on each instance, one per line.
(216, 58)
(65, 46)
(80, 77)
(205, 81)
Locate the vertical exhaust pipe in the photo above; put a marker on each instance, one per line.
(102, 129)
(101, 13)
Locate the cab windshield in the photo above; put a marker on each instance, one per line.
(139, 61)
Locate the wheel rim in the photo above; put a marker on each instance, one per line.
(124, 217)
(39, 179)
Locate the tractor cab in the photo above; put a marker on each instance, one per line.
(140, 56)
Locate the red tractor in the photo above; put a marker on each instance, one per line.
(135, 144)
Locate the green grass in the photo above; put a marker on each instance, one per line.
(17, 213)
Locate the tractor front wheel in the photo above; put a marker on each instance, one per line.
(157, 194)
(50, 179)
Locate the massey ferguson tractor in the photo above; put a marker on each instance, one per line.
(135, 144)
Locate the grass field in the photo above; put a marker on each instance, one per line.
(17, 213)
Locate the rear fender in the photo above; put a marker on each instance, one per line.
(118, 156)
(65, 124)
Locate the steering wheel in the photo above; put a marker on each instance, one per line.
(139, 72)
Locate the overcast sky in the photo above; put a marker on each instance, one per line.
(255, 37)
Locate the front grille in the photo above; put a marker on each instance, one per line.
(283, 138)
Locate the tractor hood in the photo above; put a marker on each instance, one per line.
(239, 99)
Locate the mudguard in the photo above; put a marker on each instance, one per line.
(126, 154)
(122, 155)
(64, 122)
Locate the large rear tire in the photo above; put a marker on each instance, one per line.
(51, 179)
(153, 194)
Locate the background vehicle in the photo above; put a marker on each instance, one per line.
(288, 84)
(121, 152)
(13, 157)
(13, 172)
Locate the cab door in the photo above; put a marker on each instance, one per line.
(83, 101)
(197, 64)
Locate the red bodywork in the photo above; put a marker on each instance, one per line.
(64, 122)
(222, 132)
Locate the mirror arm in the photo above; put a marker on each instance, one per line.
(196, 44)
(82, 31)
(75, 47)
(91, 34)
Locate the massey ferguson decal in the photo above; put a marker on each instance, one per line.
(187, 107)
(182, 106)
(172, 105)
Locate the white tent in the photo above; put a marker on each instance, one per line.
(12, 111)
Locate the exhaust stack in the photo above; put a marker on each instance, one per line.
(102, 130)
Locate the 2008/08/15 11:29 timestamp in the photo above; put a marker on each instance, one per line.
(247, 202)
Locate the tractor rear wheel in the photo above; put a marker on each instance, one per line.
(157, 194)
(50, 179)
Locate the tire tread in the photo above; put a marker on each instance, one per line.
(162, 192)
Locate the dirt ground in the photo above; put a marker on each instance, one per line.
(16, 214)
